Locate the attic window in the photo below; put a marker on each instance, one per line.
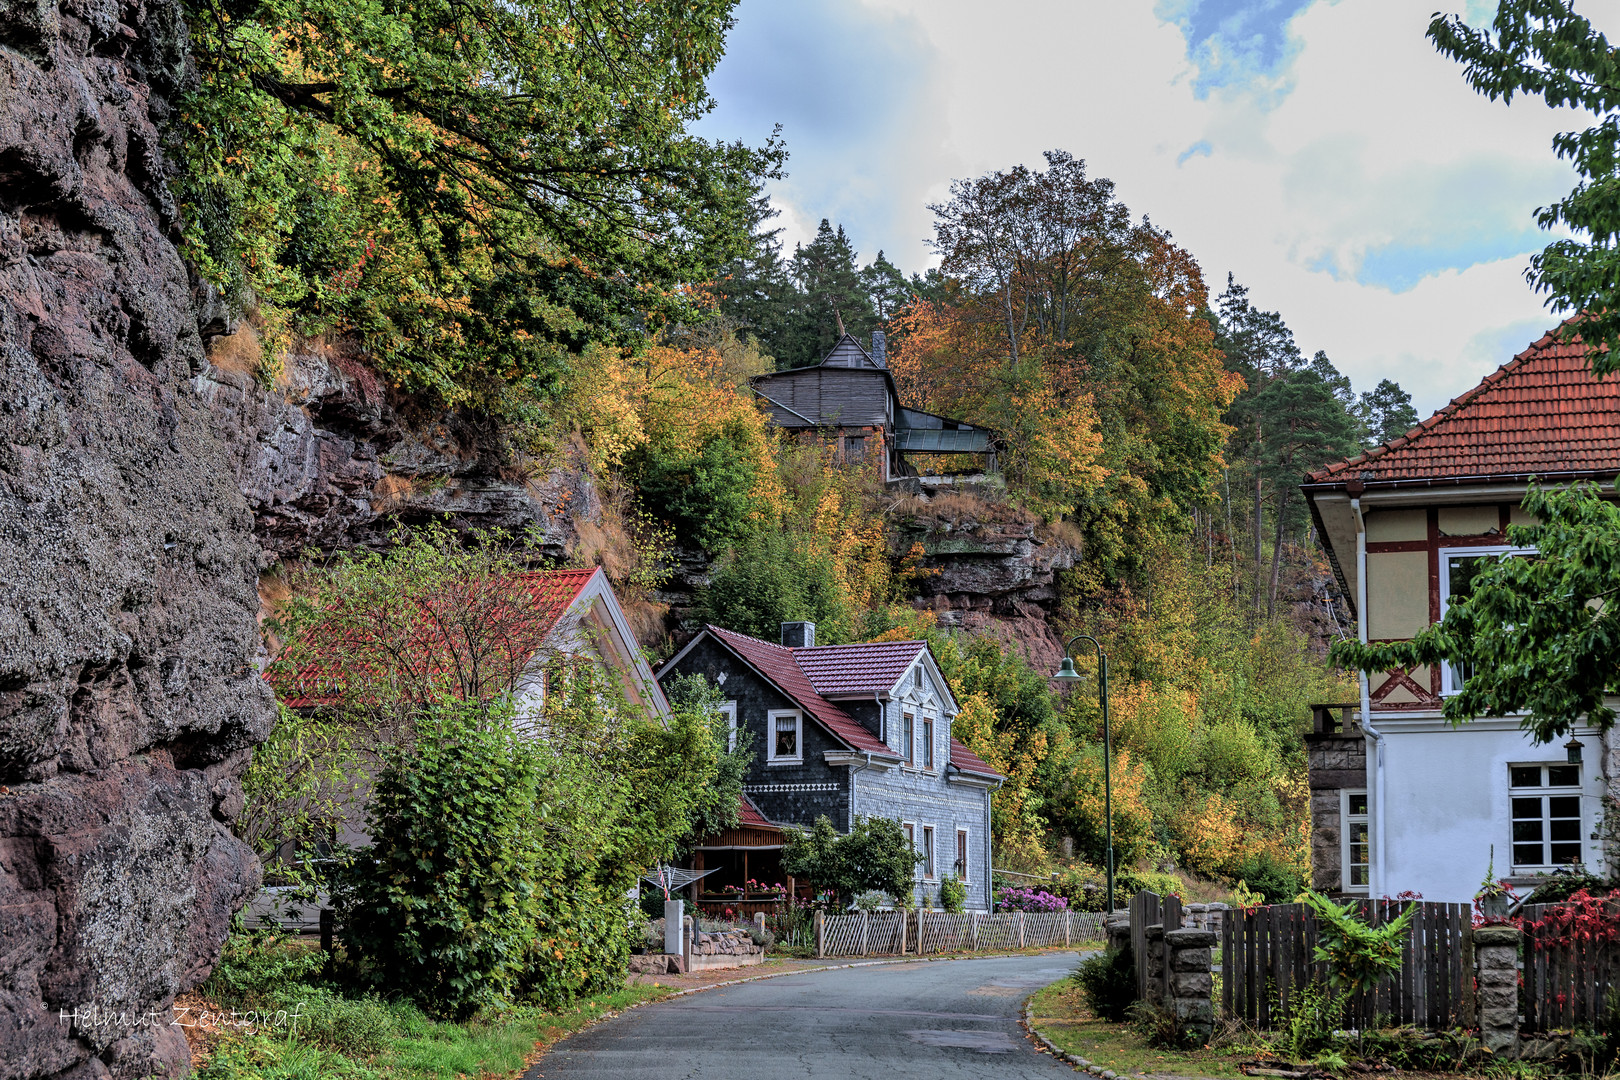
(786, 735)
(916, 677)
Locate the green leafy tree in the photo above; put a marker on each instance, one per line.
(833, 298)
(1357, 955)
(707, 495)
(475, 188)
(776, 576)
(1543, 48)
(1537, 635)
(874, 855)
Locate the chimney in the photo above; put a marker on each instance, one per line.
(799, 635)
(880, 349)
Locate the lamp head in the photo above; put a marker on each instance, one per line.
(1066, 672)
(1572, 750)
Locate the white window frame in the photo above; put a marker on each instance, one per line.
(927, 735)
(964, 844)
(1346, 820)
(1544, 792)
(1448, 681)
(910, 829)
(728, 709)
(798, 737)
(908, 736)
(930, 842)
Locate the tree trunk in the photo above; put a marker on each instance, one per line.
(1276, 554)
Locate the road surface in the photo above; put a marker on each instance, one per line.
(883, 1022)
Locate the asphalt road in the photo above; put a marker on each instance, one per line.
(883, 1022)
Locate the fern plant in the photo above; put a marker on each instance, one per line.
(1357, 955)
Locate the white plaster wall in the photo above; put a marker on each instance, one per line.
(1449, 801)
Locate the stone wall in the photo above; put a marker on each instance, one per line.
(129, 695)
(1337, 761)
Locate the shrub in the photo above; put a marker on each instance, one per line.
(360, 1026)
(258, 964)
(707, 494)
(1108, 981)
(1084, 887)
(1564, 883)
(952, 894)
(1029, 900)
(442, 906)
(871, 900)
(1270, 878)
(1127, 883)
(874, 855)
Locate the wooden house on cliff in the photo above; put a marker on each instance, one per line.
(850, 398)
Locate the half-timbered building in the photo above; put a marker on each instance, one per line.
(1401, 799)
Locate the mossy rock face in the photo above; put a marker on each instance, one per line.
(129, 695)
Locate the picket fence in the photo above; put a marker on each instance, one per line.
(1267, 956)
(893, 933)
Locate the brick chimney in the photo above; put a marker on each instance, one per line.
(880, 349)
(798, 635)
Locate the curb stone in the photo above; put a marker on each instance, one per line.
(532, 1070)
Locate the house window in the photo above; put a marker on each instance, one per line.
(911, 838)
(1546, 815)
(916, 677)
(729, 711)
(928, 852)
(786, 741)
(961, 866)
(908, 739)
(928, 742)
(1356, 840)
(855, 449)
(1458, 569)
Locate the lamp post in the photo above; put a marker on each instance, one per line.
(1066, 673)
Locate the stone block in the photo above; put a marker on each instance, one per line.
(1190, 938)
(1192, 984)
(1486, 937)
(1499, 997)
(1190, 960)
(1193, 1010)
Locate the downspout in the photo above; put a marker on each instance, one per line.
(882, 719)
(1376, 886)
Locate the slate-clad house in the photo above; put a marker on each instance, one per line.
(851, 398)
(847, 730)
(1422, 804)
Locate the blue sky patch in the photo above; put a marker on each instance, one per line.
(1400, 267)
(1234, 41)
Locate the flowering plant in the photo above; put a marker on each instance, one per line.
(1010, 899)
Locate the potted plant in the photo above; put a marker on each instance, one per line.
(1495, 898)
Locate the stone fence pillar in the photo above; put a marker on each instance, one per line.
(1189, 987)
(1117, 929)
(1154, 984)
(1496, 964)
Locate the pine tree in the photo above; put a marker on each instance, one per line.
(832, 299)
(1385, 413)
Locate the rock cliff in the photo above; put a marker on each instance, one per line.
(129, 697)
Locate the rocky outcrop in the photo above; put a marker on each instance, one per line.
(988, 568)
(325, 461)
(129, 698)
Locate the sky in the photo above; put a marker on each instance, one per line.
(1323, 152)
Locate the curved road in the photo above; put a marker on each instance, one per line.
(884, 1022)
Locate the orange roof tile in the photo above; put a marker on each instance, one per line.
(319, 681)
(1541, 413)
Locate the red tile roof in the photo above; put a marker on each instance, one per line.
(320, 681)
(1540, 413)
(776, 663)
(873, 668)
(807, 674)
(749, 817)
(969, 762)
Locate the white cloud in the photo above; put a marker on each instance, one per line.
(1338, 165)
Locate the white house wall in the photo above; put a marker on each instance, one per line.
(1449, 802)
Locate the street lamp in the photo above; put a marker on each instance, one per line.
(1066, 673)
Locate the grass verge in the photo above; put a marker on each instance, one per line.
(1061, 1015)
(374, 1040)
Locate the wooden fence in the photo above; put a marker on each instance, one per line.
(1566, 982)
(889, 933)
(1267, 956)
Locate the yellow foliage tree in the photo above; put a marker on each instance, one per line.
(1015, 818)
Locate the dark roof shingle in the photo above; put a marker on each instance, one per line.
(776, 663)
(872, 668)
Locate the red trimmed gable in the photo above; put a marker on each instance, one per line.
(1541, 413)
(552, 592)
